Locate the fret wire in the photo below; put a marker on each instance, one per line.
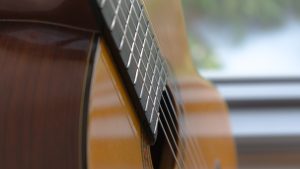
(147, 70)
(126, 26)
(156, 123)
(102, 3)
(141, 55)
(116, 14)
(144, 79)
(130, 57)
(153, 76)
(156, 92)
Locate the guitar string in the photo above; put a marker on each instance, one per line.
(152, 69)
(173, 152)
(189, 153)
(172, 106)
(147, 66)
(189, 146)
(192, 141)
(147, 89)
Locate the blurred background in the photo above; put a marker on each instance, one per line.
(250, 49)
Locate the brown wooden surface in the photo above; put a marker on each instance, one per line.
(75, 13)
(115, 137)
(42, 74)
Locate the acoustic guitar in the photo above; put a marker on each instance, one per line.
(105, 84)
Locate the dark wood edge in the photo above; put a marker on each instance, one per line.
(86, 98)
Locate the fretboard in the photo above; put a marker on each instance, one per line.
(138, 57)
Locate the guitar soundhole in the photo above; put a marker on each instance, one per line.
(164, 149)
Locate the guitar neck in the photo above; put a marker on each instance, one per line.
(136, 52)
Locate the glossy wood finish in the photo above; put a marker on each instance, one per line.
(206, 116)
(43, 75)
(115, 138)
(42, 83)
(73, 13)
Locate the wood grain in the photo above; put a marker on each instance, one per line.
(42, 74)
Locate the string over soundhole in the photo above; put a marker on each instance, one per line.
(165, 152)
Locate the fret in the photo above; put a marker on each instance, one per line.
(101, 3)
(156, 124)
(138, 46)
(155, 69)
(155, 116)
(117, 34)
(147, 83)
(117, 8)
(153, 109)
(152, 72)
(127, 50)
(136, 73)
(153, 92)
(135, 35)
(145, 57)
(108, 12)
(117, 29)
(143, 21)
(127, 30)
(149, 112)
(141, 54)
(138, 85)
(125, 53)
(124, 14)
(157, 89)
(129, 38)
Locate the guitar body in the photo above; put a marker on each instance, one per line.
(64, 104)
